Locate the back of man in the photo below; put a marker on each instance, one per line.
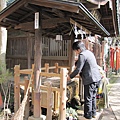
(90, 72)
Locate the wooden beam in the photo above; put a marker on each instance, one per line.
(46, 12)
(11, 20)
(27, 15)
(28, 6)
(62, 5)
(106, 17)
(25, 26)
(79, 26)
(58, 12)
(3, 24)
(56, 20)
(47, 15)
(50, 23)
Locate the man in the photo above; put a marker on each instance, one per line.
(88, 69)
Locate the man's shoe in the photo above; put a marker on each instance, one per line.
(97, 115)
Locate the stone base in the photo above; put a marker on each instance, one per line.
(42, 117)
(98, 114)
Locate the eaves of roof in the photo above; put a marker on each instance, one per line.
(86, 11)
(62, 5)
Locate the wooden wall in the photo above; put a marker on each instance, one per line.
(53, 51)
(17, 52)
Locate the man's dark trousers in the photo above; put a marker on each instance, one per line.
(90, 100)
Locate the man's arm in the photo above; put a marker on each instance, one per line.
(79, 66)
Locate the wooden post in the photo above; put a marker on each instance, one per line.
(37, 107)
(98, 53)
(56, 99)
(63, 84)
(117, 60)
(29, 49)
(27, 104)
(56, 69)
(37, 61)
(103, 46)
(49, 101)
(47, 67)
(32, 85)
(16, 88)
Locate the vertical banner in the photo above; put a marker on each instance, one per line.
(37, 20)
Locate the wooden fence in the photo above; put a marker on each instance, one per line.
(58, 93)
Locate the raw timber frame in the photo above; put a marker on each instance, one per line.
(58, 93)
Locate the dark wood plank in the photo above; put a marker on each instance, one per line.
(57, 4)
(49, 23)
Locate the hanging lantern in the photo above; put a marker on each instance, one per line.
(59, 37)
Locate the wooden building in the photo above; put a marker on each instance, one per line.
(101, 21)
(42, 20)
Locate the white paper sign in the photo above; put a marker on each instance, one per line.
(36, 20)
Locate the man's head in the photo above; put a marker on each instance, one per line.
(78, 47)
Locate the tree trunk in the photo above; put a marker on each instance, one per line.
(3, 36)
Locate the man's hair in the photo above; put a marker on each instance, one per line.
(78, 45)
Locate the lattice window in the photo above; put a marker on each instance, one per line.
(51, 47)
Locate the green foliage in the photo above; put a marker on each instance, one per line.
(4, 74)
(71, 112)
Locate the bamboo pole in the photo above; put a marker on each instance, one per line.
(56, 99)
(27, 103)
(63, 84)
(20, 113)
(26, 71)
(49, 74)
(49, 101)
